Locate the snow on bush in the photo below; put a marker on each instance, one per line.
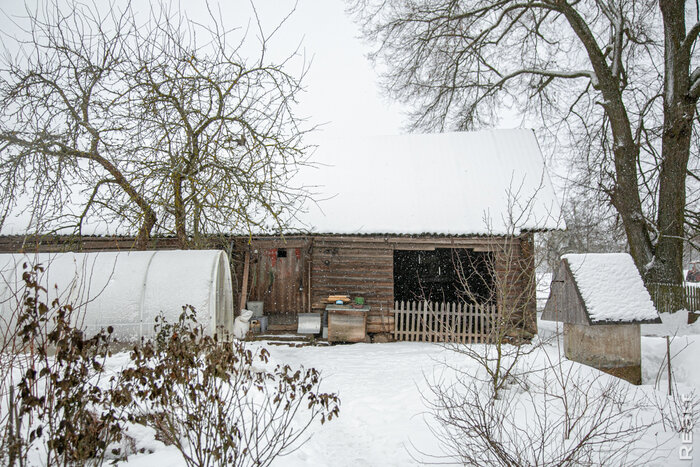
(555, 413)
(60, 405)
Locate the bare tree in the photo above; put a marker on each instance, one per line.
(590, 228)
(556, 415)
(516, 401)
(150, 120)
(60, 125)
(613, 78)
(508, 282)
(218, 128)
(504, 279)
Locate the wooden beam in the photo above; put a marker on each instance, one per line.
(244, 286)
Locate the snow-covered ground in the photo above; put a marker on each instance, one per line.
(383, 417)
(381, 410)
(383, 420)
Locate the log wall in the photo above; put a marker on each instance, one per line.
(355, 266)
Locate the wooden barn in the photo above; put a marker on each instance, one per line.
(298, 274)
(601, 300)
(406, 224)
(407, 219)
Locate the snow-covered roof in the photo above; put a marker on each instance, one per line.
(458, 183)
(611, 287)
(442, 183)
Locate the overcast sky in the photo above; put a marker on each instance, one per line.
(341, 85)
(342, 89)
(342, 93)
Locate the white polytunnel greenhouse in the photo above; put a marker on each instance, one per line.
(128, 290)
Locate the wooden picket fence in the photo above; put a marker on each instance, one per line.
(443, 322)
(671, 297)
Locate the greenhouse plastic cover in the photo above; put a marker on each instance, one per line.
(127, 290)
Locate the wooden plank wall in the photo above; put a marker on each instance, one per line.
(356, 266)
(281, 283)
(63, 243)
(515, 270)
(565, 303)
(364, 266)
(353, 265)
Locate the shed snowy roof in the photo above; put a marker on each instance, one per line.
(457, 183)
(611, 287)
(443, 183)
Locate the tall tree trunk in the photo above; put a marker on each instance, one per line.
(679, 111)
(627, 202)
(668, 260)
(625, 195)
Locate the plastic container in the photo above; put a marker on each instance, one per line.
(256, 308)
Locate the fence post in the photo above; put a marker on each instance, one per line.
(412, 321)
(396, 320)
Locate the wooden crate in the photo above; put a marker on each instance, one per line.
(347, 324)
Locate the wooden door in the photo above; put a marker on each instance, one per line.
(278, 281)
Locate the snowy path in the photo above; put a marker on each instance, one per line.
(381, 407)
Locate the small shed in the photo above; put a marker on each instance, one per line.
(602, 301)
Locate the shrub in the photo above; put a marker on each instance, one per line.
(557, 414)
(54, 401)
(208, 399)
(204, 396)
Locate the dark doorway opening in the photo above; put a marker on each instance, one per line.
(443, 275)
